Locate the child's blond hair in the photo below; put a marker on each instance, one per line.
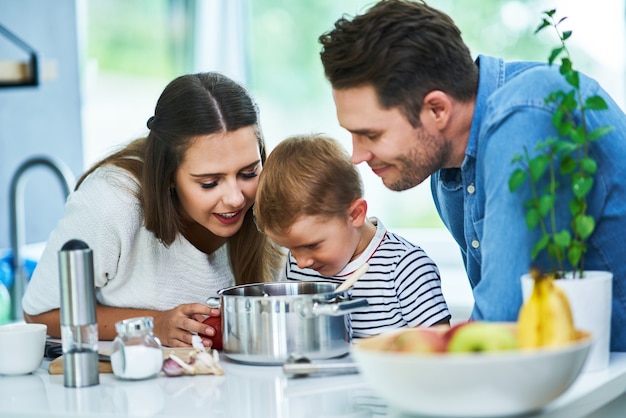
(308, 175)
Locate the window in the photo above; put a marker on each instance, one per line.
(133, 49)
(286, 75)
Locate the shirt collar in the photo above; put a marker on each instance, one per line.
(491, 78)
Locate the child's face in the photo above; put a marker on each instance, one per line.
(323, 244)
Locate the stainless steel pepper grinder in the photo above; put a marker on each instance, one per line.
(79, 329)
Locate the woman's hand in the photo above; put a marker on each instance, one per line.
(175, 327)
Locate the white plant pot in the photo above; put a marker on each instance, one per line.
(590, 299)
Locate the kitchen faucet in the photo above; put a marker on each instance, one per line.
(16, 222)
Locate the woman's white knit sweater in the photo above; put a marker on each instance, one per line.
(132, 268)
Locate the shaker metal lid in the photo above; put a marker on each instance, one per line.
(132, 325)
(74, 244)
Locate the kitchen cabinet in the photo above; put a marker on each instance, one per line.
(18, 73)
(42, 119)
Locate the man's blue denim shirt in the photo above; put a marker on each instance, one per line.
(488, 221)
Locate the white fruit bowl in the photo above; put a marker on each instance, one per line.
(470, 384)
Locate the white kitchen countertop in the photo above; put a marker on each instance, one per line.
(262, 392)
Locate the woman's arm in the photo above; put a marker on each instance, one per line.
(174, 327)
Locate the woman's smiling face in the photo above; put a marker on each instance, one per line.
(217, 180)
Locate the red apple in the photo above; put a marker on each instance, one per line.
(216, 323)
(419, 340)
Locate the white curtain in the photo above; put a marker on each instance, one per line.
(221, 38)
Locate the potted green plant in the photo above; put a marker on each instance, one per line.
(564, 161)
(564, 158)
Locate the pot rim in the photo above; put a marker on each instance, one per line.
(296, 284)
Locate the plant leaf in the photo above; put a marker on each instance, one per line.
(537, 166)
(557, 119)
(584, 226)
(564, 147)
(573, 79)
(596, 103)
(554, 54)
(568, 165)
(544, 23)
(581, 185)
(517, 179)
(566, 66)
(546, 202)
(599, 132)
(556, 252)
(532, 218)
(574, 255)
(569, 102)
(589, 165)
(576, 206)
(563, 238)
(578, 135)
(566, 33)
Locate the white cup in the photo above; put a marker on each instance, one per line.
(21, 348)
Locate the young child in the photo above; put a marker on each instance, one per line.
(310, 201)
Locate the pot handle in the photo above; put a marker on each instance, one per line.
(214, 302)
(339, 308)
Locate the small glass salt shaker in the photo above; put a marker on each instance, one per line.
(136, 352)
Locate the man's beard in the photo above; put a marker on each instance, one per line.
(415, 167)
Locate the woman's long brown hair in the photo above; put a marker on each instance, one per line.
(190, 106)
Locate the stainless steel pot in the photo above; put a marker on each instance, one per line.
(265, 323)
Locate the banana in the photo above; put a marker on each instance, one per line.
(545, 319)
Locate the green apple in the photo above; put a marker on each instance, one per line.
(480, 336)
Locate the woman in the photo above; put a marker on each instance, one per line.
(168, 217)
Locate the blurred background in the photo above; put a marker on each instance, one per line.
(101, 65)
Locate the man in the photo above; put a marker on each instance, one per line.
(418, 105)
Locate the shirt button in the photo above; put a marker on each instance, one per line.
(475, 243)
(471, 189)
